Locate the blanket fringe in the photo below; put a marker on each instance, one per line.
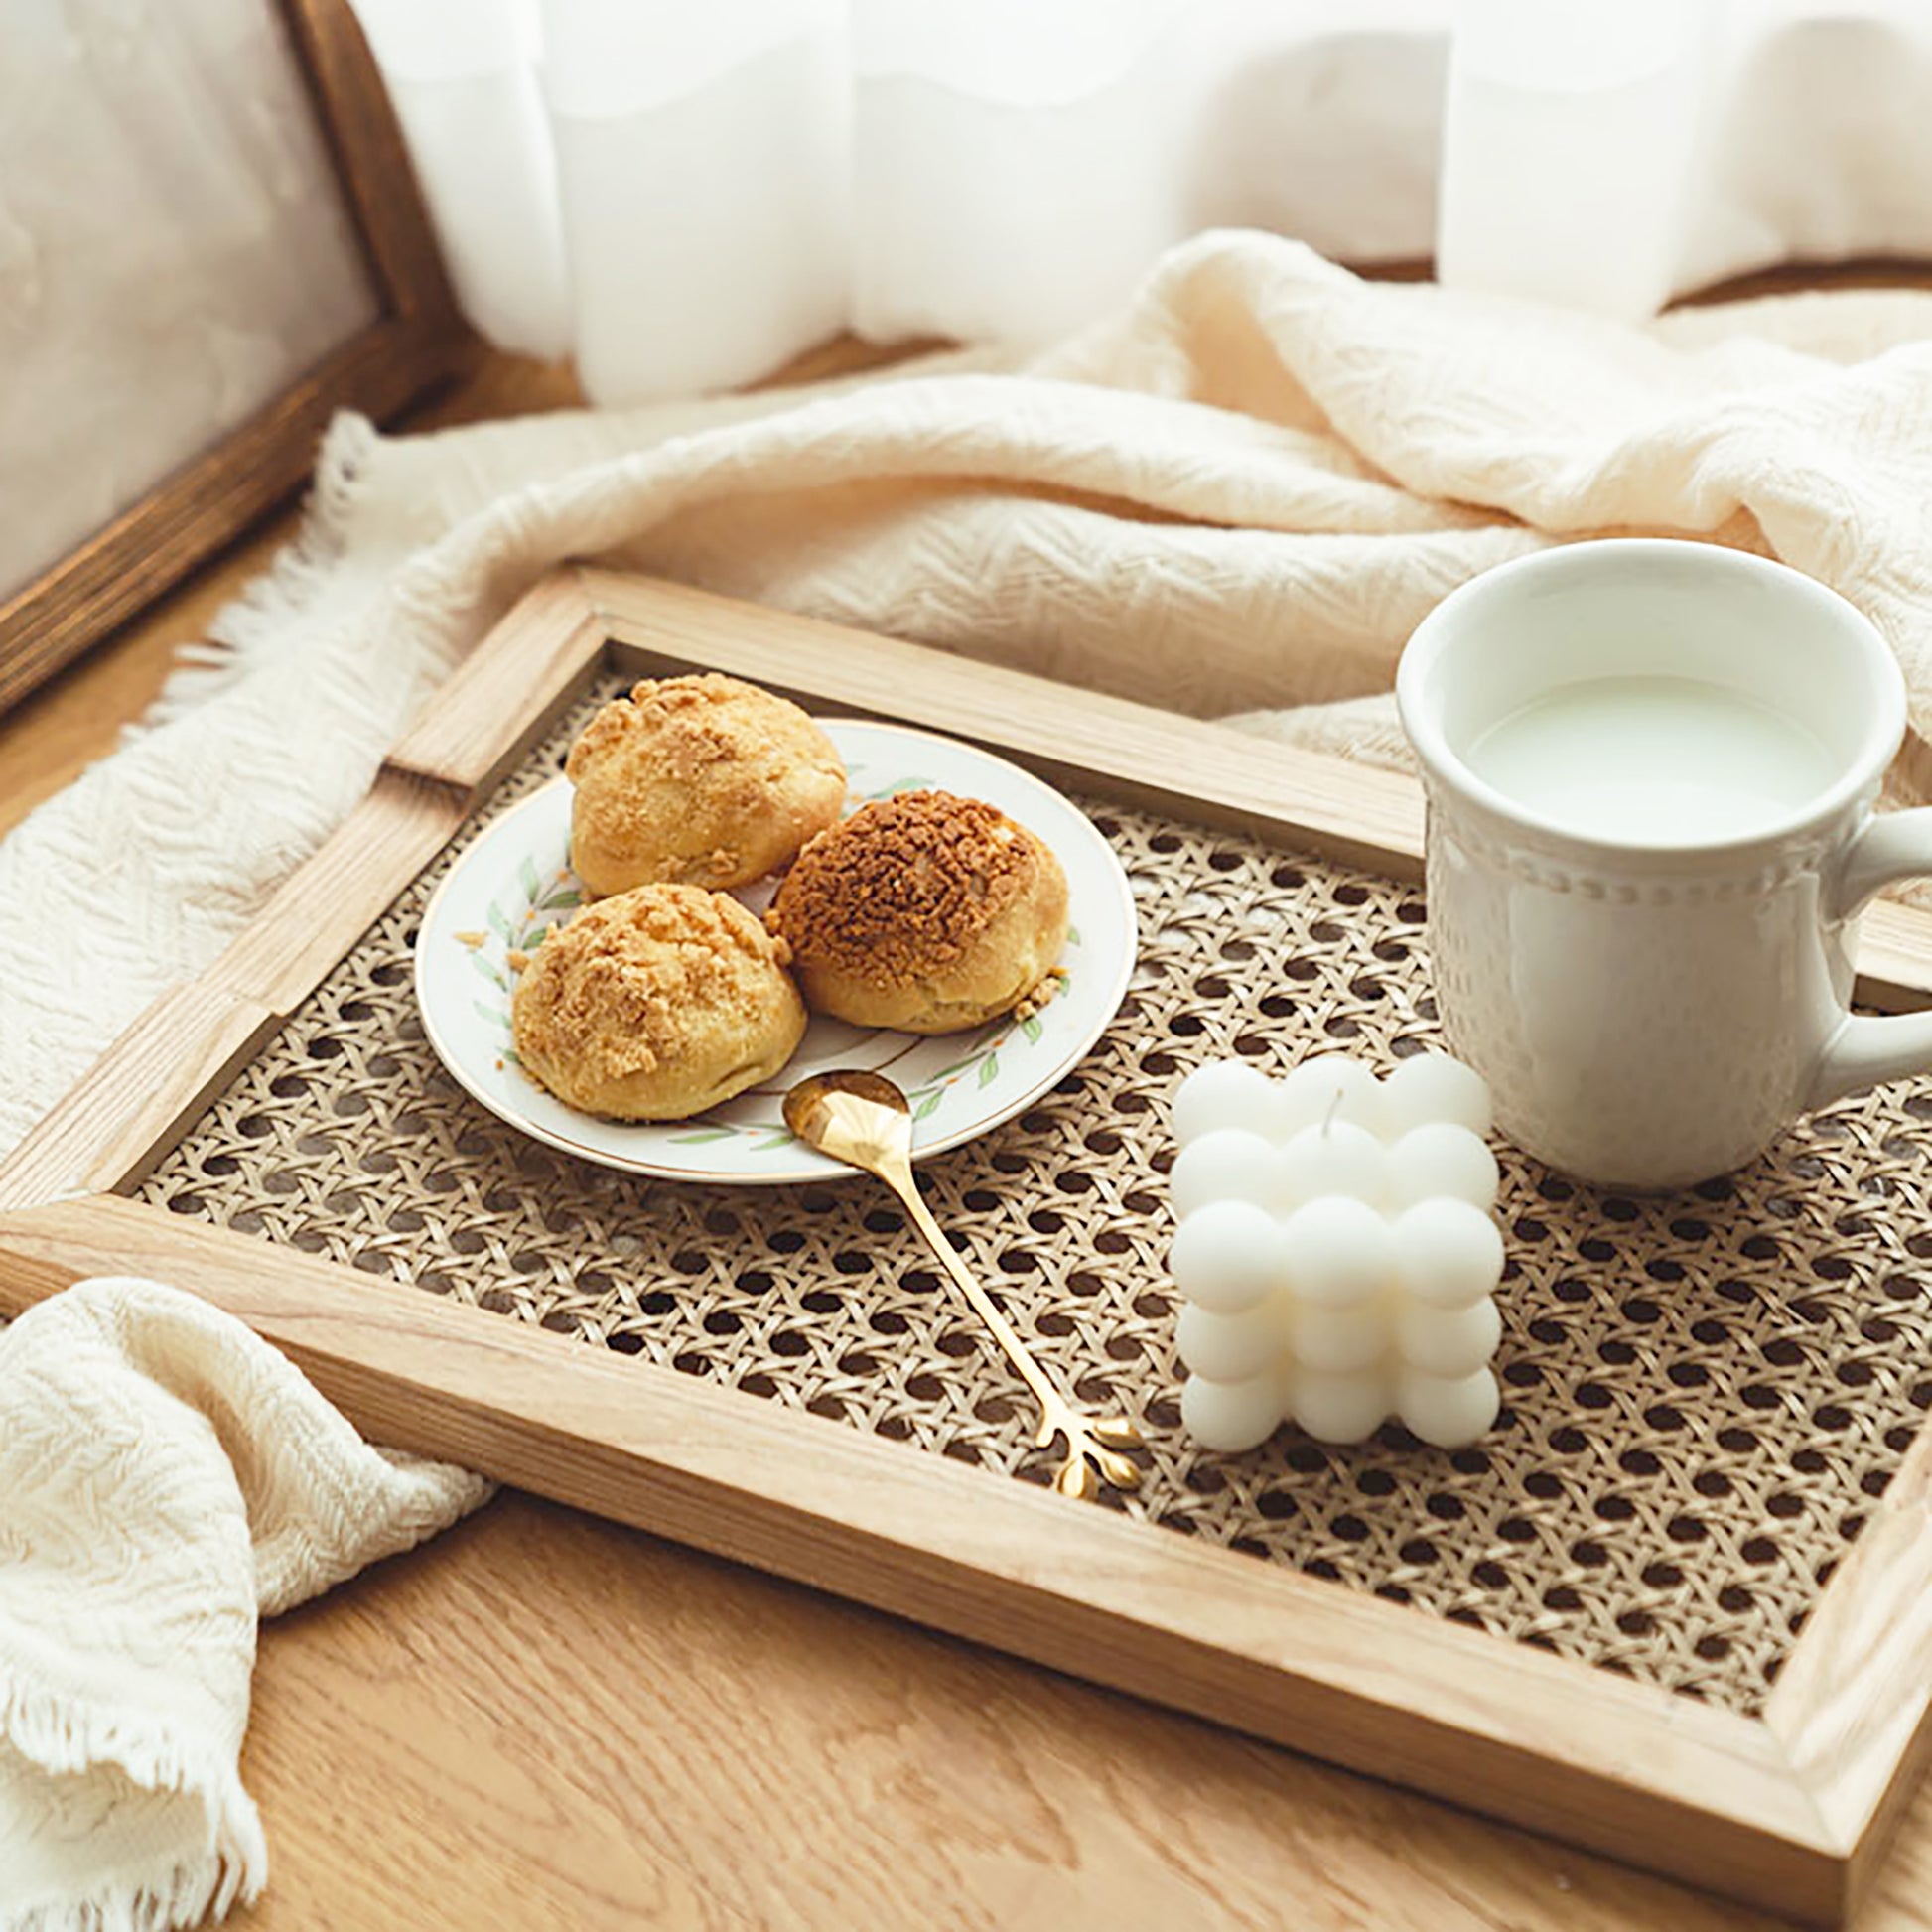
(185, 1898)
(66, 1735)
(254, 623)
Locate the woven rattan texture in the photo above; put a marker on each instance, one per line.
(1703, 1394)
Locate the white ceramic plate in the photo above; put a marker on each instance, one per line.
(516, 878)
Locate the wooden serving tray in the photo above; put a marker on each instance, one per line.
(1679, 1611)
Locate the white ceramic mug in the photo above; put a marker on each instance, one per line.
(1651, 965)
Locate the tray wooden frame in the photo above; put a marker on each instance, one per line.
(416, 341)
(1789, 1811)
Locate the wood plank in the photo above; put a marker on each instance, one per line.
(139, 1097)
(331, 900)
(123, 568)
(614, 1732)
(373, 165)
(56, 733)
(416, 341)
(1200, 771)
(135, 1102)
(1150, 758)
(1853, 1707)
(504, 695)
(1611, 1764)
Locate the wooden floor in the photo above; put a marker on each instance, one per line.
(540, 1720)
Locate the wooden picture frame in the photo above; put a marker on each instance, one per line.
(1790, 1810)
(417, 340)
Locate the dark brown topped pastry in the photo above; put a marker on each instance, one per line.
(925, 913)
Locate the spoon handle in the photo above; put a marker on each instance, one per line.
(1096, 1443)
(984, 1306)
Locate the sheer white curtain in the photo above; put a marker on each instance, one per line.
(683, 196)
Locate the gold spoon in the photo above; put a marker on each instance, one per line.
(863, 1120)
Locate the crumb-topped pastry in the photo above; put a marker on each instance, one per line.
(925, 913)
(702, 780)
(656, 1003)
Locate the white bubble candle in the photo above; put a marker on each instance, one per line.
(1336, 1251)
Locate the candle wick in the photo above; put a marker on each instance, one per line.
(1329, 1119)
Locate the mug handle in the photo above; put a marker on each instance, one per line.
(1865, 1051)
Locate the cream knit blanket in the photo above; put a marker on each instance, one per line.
(1236, 497)
(165, 1476)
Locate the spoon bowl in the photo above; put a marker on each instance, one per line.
(850, 1107)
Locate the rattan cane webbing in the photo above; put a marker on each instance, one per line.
(1703, 1394)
